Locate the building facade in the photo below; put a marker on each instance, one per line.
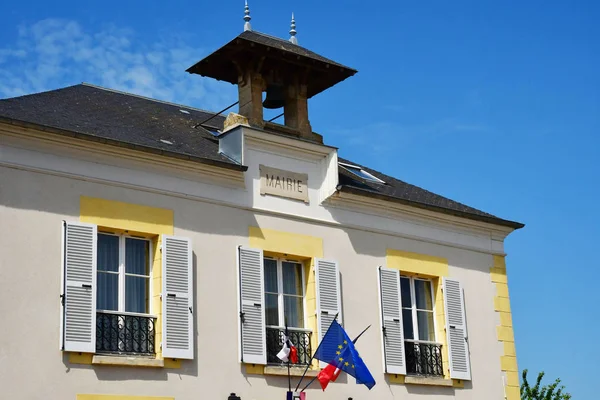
(155, 251)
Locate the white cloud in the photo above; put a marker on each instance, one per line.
(54, 53)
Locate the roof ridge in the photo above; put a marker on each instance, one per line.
(144, 97)
(37, 93)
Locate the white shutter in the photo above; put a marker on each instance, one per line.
(456, 330)
(329, 299)
(391, 321)
(78, 311)
(253, 339)
(177, 298)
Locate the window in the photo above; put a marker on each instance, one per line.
(423, 354)
(123, 274)
(123, 294)
(284, 293)
(361, 173)
(417, 309)
(284, 306)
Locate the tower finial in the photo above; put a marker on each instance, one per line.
(293, 38)
(247, 17)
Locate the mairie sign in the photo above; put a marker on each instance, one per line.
(278, 182)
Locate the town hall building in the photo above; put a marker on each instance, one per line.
(156, 251)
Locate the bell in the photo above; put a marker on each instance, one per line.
(274, 98)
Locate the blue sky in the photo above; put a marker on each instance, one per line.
(495, 104)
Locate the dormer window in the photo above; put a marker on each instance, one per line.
(361, 173)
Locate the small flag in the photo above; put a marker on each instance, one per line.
(328, 374)
(296, 396)
(288, 352)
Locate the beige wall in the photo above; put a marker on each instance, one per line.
(32, 206)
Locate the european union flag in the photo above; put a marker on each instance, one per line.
(337, 349)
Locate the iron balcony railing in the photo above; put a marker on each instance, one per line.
(423, 358)
(125, 333)
(300, 338)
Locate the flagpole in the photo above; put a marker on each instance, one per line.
(287, 337)
(354, 341)
(313, 355)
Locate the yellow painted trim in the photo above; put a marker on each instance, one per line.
(415, 263)
(150, 222)
(395, 378)
(509, 363)
(513, 392)
(296, 246)
(254, 369)
(502, 304)
(435, 268)
(504, 331)
(80, 358)
(285, 243)
(119, 397)
(457, 383)
(126, 216)
(502, 290)
(512, 378)
(509, 349)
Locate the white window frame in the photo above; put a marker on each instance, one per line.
(121, 273)
(413, 307)
(280, 294)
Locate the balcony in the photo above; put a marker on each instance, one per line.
(299, 338)
(423, 358)
(125, 333)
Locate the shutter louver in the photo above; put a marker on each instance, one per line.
(78, 316)
(329, 300)
(391, 321)
(252, 312)
(456, 330)
(178, 297)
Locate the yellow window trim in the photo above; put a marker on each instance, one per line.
(292, 246)
(435, 268)
(138, 220)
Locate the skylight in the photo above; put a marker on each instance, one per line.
(361, 173)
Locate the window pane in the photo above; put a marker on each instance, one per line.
(108, 253)
(425, 321)
(136, 294)
(136, 256)
(292, 278)
(107, 295)
(271, 309)
(270, 275)
(293, 311)
(405, 291)
(423, 295)
(407, 323)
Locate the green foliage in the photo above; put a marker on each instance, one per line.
(539, 392)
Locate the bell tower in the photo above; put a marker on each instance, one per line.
(288, 73)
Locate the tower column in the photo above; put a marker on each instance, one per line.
(295, 110)
(250, 88)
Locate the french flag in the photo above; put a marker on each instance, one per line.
(288, 352)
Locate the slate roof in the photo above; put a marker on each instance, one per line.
(123, 119)
(288, 46)
(274, 54)
(118, 118)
